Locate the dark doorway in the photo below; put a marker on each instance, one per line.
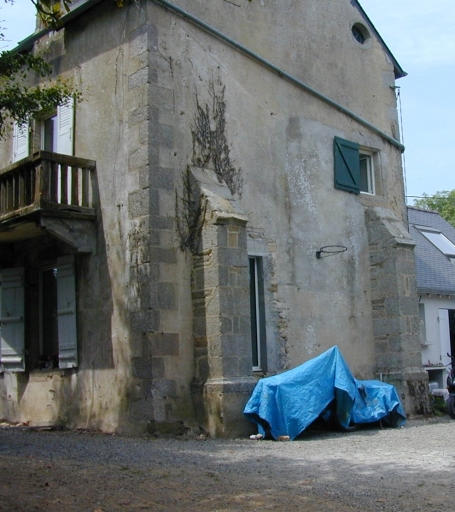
(452, 330)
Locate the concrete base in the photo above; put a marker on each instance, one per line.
(412, 387)
(224, 401)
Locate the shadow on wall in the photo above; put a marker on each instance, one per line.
(50, 390)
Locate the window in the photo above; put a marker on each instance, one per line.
(38, 317)
(55, 133)
(366, 183)
(57, 130)
(49, 134)
(360, 33)
(438, 240)
(353, 167)
(258, 339)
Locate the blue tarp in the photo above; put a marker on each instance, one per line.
(286, 404)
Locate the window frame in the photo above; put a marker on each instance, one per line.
(347, 156)
(42, 125)
(257, 312)
(368, 156)
(41, 307)
(29, 353)
(424, 229)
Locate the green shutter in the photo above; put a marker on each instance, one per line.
(347, 165)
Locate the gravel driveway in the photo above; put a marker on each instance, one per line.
(406, 469)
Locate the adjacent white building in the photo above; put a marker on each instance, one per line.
(435, 264)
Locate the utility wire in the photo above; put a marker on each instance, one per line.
(427, 197)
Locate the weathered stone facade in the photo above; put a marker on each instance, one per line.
(209, 151)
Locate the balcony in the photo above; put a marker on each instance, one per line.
(48, 192)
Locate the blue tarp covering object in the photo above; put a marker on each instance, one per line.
(286, 404)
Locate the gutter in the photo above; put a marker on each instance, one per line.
(27, 44)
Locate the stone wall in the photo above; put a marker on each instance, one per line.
(164, 337)
(396, 323)
(221, 311)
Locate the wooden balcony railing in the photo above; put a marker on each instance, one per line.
(47, 181)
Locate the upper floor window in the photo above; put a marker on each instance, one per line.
(49, 131)
(353, 167)
(360, 33)
(367, 181)
(55, 133)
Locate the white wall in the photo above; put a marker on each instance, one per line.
(436, 341)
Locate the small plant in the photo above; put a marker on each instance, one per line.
(190, 215)
(210, 146)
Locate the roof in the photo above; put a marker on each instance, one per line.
(435, 270)
(78, 7)
(81, 6)
(399, 71)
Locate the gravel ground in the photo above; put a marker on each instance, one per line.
(406, 469)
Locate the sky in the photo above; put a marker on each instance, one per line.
(421, 36)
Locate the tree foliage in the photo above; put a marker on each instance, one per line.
(50, 11)
(19, 100)
(443, 202)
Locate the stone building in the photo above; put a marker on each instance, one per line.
(224, 202)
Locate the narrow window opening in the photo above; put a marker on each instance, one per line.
(258, 340)
(452, 330)
(48, 357)
(49, 134)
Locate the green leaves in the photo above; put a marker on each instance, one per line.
(50, 11)
(20, 96)
(443, 202)
(18, 100)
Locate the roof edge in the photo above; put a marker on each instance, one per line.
(399, 71)
(27, 43)
(425, 210)
(435, 292)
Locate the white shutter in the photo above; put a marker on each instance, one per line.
(65, 128)
(66, 314)
(20, 141)
(12, 319)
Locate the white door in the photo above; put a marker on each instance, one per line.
(444, 335)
